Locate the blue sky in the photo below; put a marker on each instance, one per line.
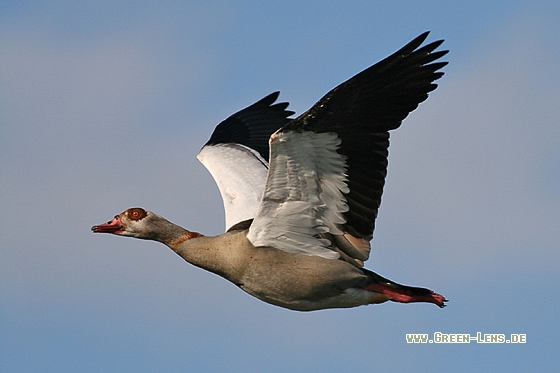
(104, 106)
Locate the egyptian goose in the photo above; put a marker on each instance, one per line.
(301, 195)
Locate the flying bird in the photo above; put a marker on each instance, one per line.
(301, 195)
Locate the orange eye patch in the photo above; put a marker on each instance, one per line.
(136, 213)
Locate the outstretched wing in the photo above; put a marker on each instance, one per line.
(328, 166)
(237, 156)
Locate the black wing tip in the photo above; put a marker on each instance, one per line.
(416, 42)
(422, 37)
(435, 44)
(269, 101)
(427, 54)
(438, 54)
(415, 46)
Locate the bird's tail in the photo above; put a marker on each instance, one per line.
(402, 293)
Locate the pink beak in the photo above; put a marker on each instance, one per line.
(112, 226)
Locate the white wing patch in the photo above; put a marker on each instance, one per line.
(240, 173)
(303, 196)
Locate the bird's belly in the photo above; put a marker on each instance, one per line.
(351, 297)
(307, 283)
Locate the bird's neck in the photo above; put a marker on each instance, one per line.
(166, 232)
(222, 255)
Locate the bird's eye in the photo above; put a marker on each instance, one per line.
(136, 213)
